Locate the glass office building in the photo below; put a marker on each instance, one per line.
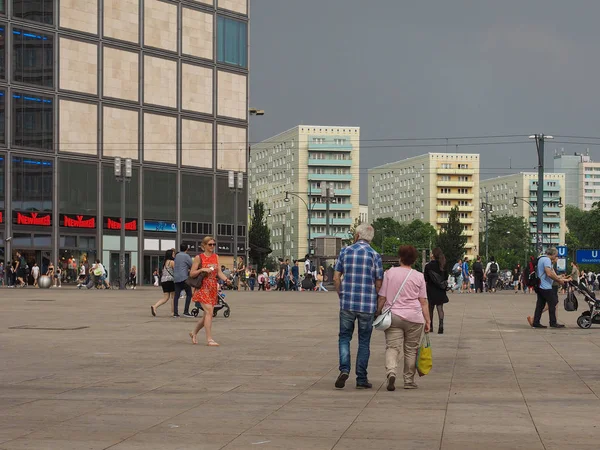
(83, 81)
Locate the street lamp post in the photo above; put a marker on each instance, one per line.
(123, 176)
(539, 143)
(487, 208)
(308, 211)
(236, 188)
(328, 195)
(540, 229)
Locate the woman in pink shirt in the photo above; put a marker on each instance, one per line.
(409, 315)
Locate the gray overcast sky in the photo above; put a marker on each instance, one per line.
(449, 68)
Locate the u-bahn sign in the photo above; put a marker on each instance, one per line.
(588, 256)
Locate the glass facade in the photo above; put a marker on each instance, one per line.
(34, 10)
(31, 184)
(232, 42)
(78, 187)
(33, 57)
(2, 195)
(33, 120)
(111, 193)
(2, 51)
(196, 198)
(160, 194)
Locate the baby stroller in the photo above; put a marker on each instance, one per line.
(587, 318)
(221, 303)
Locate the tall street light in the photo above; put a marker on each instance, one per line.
(539, 143)
(236, 188)
(122, 176)
(308, 211)
(487, 208)
(540, 229)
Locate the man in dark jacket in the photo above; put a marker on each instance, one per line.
(478, 273)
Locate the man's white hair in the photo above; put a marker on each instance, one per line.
(365, 231)
(552, 251)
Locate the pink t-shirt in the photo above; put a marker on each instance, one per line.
(407, 306)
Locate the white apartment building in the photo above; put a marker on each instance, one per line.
(304, 161)
(582, 179)
(427, 187)
(500, 192)
(363, 216)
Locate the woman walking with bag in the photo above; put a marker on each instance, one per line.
(435, 276)
(404, 292)
(207, 262)
(167, 283)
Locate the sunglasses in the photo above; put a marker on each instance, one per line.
(211, 245)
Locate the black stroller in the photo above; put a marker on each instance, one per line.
(587, 318)
(221, 304)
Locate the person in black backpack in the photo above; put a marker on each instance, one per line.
(491, 273)
(478, 273)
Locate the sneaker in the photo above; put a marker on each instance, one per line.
(364, 385)
(187, 315)
(175, 316)
(391, 382)
(412, 385)
(539, 325)
(558, 325)
(341, 380)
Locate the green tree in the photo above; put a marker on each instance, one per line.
(259, 236)
(509, 240)
(350, 239)
(451, 239)
(386, 227)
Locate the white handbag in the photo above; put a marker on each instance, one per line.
(384, 320)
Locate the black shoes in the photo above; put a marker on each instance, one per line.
(364, 385)
(341, 380)
(441, 327)
(539, 325)
(558, 325)
(391, 382)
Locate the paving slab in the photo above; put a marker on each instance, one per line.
(94, 370)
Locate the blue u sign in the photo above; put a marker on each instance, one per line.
(588, 256)
(562, 251)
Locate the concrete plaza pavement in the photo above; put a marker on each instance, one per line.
(94, 370)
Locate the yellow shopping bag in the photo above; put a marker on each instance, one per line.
(424, 360)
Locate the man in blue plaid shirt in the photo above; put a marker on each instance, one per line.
(362, 272)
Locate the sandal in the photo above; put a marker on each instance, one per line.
(212, 343)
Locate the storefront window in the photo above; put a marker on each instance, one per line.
(31, 184)
(160, 194)
(196, 198)
(75, 252)
(111, 189)
(78, 188)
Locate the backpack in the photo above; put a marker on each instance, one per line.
(457, 270)
(312, 268)
(533, 280)
(477, 268)
(494, 267)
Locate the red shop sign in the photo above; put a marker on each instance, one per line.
(114, 223)
(1, 216)
(32, 218)
(77, 221)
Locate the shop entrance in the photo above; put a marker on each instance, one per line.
(41, 257)
(113, 270)
(152, 263)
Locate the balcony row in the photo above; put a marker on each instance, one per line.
(457, 184)
(456, 196)
(338, 192)
(330, 162)
(332, 221)
(460, 208)
(329, 177)
(456, 171)
(329, 147)
(332, 206)
(465, 221)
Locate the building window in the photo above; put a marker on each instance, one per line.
(160, 193)
(34, 10)
(32, 121)
(31, 184)
(2, 7)
(78, 188)
(232, 42)
(196, 198)
(33, 56)
(1, 182)
(2, 50)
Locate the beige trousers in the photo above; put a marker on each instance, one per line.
(402, 336)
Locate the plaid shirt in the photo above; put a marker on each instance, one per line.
(361, 267)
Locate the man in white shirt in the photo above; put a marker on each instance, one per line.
(306, 265)
(491, 273)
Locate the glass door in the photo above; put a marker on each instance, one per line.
(113, 270)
